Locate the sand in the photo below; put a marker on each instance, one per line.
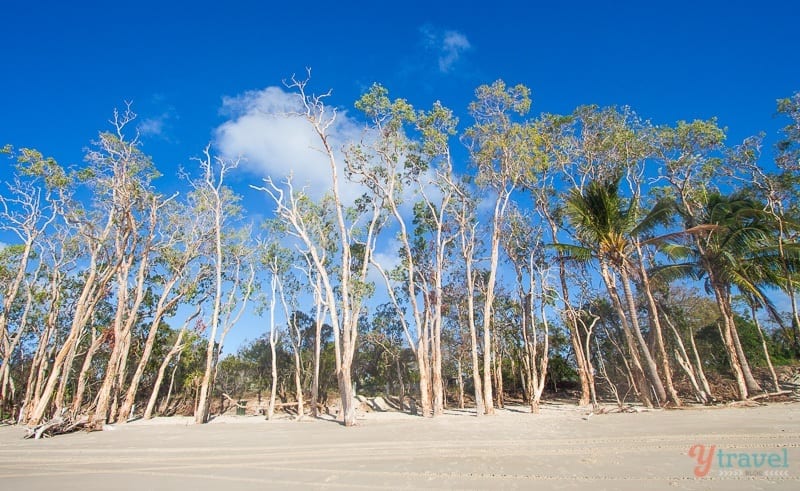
(558, 449)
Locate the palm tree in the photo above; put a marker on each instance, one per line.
(608, 227)
(737, 249)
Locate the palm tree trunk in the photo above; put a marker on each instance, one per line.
(728, 340)
(656, 324)
(652, 368)
(644, 393)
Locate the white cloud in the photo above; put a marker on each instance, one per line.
(274, 142)
(389, 259)
(152, 126)
(448, 45)
(157, 126)
(453, 45)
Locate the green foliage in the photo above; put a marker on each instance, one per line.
(31, 163)
(788, 147)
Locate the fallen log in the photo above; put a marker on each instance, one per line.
(770, 394)
(58, 426)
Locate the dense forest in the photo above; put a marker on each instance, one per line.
(593, 255)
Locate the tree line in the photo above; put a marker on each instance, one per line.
(635, 261)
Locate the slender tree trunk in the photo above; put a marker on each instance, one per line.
(59, 401)
(652, 368)
(730, 330)
(35, 373)
(204, 398)
(317, 354)
(347, 394)
(767, 357)
(590, 373)
(544, 356)
(6, 383)
(686, 364)
(133, 387)
(498, 377)
(582, 364)
(488, 398)
(77, 400)
(480, 407)
(177, 346)
(728, 340)
(436, 362)
(400, 382)
(750, 380)
(272, 341)
(151, 401)
(699, 365)
(460, 382)
(298, 385)
(424, 375)
(656, 324)
(165, 403)
(640, 378)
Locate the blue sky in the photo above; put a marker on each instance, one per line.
(66, 65)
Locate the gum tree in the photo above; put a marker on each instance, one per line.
(340, 249)
(501, 148)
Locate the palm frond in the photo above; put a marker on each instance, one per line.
(672, 272)
(660, 215)
(676, 251)
(573, 252)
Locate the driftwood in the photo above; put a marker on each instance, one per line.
(234, 402)
(59, 425)
(770, 394)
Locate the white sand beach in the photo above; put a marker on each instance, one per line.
(561, 448)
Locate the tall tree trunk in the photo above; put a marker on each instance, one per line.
(767, 357)
(590, 374)
(204, 398)
(77, 400)
(151, 401)
(133, 387)
(656, 324)
(543, 356)
(436, 362)
(59, 401)
(424, 375)
(750, 380)
(460, 382)
(699, 365)
(686, 363)
(583, 367)
(347, 393)
(400, 383)
(177, 347)
(480, 407)
(639, 377)
(35, 373)
(498, 377)
(298, 385)
(317, 354)
(274, 374)
(728, 341)
(650, 364)
(272, 341)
